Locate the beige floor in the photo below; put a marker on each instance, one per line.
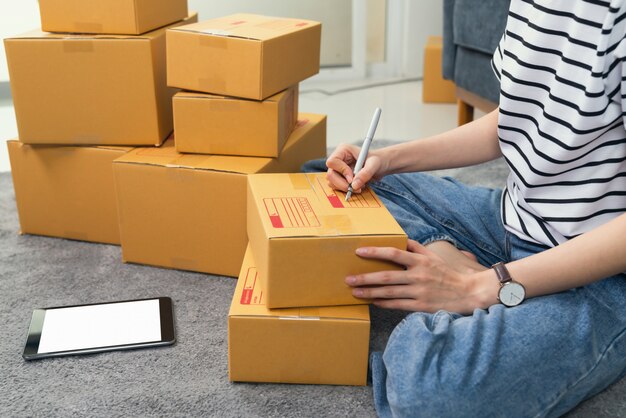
(404, 115)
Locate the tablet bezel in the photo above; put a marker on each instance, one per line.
(37, 320)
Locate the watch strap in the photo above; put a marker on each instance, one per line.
(502, 272)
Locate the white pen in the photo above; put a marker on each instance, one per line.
(365, 148)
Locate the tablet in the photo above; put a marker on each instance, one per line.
(93, 328)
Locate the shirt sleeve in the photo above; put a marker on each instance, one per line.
(496, 60)
(615, 66)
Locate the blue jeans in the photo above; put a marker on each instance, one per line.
(538, 359)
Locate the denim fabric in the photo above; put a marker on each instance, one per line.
(538, 359)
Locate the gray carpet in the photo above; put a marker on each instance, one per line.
(187, 379)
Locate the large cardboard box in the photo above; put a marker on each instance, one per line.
(188, 211)
(326, 345)
(243, 55)
(435, 89)
(65, 191)
(209, 124)
(304, 235)
(130, 17)
(90, 89)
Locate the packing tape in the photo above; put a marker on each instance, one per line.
(217, 42)
(225, 105)
(176, 174)
(184, 264)
(335, 225)
(77, 45)
(299, 181)
(88, 27)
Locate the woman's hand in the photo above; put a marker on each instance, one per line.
(341, 165)
(427, 284)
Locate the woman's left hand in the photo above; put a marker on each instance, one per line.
(427, 284)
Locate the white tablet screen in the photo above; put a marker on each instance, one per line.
(100, 326)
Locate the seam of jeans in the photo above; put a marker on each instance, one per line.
(507, 245)
(595, 366)
(446, 223)
(438, 237)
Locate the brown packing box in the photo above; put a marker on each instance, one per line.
(304, 235)
(90, 89)
(130, 17)
(188, 211)
(435, 89)
(326, 345)
(65, 191)
(209, 124)
(243, 55)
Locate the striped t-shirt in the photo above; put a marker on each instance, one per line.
(562, 116)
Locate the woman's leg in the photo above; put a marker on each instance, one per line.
(541, 358)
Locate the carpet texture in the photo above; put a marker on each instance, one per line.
(187, 379)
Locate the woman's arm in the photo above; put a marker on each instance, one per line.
(469, 144)
(429, 284)
(473, 143)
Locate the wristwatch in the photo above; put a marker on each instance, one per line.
(511, 293)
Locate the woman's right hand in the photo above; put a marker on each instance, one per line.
(341, 168)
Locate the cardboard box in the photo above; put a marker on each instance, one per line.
(90, 89)
(209, 124)
(304, 235)
(435, 89)
(326, 345)
(243, 55)
(129, 17)
(188, 211)
(65, 191)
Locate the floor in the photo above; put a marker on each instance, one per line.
(349, 113)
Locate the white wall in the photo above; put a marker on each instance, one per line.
(16, 16)
(422, 19)
(335, 15)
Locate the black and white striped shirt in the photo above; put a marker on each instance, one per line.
(562, 116)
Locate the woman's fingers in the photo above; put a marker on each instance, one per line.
(378, 278)
(384, 292)
(401, 257)
(336, 181)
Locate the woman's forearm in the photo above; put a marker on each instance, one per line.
(594, 255)
(473, 143)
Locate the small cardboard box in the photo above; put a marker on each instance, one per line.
(209, 124)
(435, 89)
(126, 17)
(304, 235)
(243, 55)
(65, 191)
(188, 211)
(326, 345)
(90, 89)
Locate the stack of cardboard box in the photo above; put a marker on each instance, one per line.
(293, 319)
(87, 102)
(82, 100)
(184, 205)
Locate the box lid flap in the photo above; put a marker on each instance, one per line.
(208, 96)
(249, 300)
(39, 34)
(105, 147)
(302, 205)
(249, 26)
(167, 156)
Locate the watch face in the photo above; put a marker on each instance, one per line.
(512, 294)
